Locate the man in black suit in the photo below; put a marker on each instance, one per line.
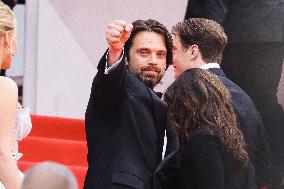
(253, 58)
(199, 43)
(125, 119)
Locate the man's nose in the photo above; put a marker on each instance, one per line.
(153, 60)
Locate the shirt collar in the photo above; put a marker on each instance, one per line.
(209, 65)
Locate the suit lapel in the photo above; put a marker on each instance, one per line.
(159, 111)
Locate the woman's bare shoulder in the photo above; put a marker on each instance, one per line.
(8, 88)
(7, 83)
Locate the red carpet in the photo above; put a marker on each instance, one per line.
(56, 139)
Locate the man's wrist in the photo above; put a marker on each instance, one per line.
(113, 55)
(114, 50)
(114, 65)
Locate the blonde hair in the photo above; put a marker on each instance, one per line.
(8, 19)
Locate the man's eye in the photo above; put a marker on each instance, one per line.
(161, 54)
(143, 51)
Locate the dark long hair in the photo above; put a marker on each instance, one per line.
(199, 99)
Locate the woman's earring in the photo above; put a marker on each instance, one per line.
(11, 53)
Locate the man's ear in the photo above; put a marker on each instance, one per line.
(194, 51)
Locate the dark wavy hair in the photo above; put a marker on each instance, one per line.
(199, 99)
(151, 26)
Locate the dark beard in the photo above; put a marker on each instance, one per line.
(150, 80)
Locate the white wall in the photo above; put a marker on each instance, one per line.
(64, 41)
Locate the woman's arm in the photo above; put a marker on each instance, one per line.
(8, 103)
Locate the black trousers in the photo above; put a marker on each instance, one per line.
(257, 68)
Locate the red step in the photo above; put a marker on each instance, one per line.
(64, 151)
(56, 139)
(58, 127)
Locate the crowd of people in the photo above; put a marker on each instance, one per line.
(216, 137)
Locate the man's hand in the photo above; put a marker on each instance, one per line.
(117, 33)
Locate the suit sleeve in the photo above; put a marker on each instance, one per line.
(108, 89)
(214, 10)
(262, 158)
(205, 155)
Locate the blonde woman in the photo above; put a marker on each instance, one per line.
(15, 121)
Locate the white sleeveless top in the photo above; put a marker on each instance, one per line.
(22, 128)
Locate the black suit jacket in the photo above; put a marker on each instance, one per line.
(253, 130)
(243, 20)
(206, 164)
(125, 126)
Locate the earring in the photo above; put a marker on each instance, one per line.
(11, 53)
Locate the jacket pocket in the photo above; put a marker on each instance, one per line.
(127, 179)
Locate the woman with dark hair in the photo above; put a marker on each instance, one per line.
(212, 150)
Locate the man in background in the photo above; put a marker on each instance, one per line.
(253, 59)
(199, 43)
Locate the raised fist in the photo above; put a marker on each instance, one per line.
(117, 33)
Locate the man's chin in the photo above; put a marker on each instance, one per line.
(151, 82)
